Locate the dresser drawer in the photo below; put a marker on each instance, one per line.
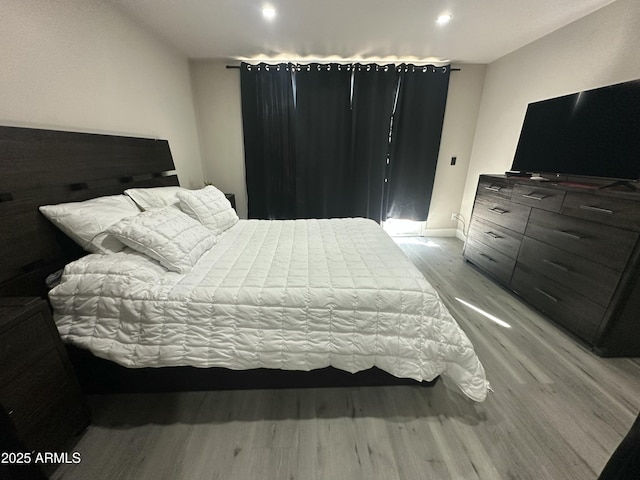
(22, 344)
(538, 197)
(506, 214)
(575, 312)
(585, 277)
(499, 238)
(603, 244)
(29, 391)
(492, 261)
(614, 211)
(495, 188)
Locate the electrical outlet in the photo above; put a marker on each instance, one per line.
(454, 216)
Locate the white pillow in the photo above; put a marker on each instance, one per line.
(154, 197)
(167, 235)
(85, 222)
(210, 207)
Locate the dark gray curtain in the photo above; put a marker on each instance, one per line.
(374, 92)
(415, 140)
(269, 140)
(323, 141)
(318, 145)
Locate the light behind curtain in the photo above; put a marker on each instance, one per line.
(269, 140)
(415, 141)
(374, 92)
(324, 173)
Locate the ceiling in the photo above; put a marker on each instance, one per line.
(480, 31)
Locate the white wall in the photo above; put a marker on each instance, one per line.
(461, 114)
(218, 108)
(216, 91)
(599, 49)
(82, 65)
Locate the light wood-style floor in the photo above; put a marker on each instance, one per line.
(557, 411)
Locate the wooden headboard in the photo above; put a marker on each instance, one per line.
(43, 167)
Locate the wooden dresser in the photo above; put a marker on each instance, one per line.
(38, 389)
(570, 251)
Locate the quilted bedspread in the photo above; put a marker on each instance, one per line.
(295, 294)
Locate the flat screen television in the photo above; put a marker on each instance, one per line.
(594, 133)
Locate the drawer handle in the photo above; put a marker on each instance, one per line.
(596, 209)
(569, 234)
(487, 257)
(497, 210)
(493, 188)
(534, 197)
(557, 265)
(549, 296)
(495, 236)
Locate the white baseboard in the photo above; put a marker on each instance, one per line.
(434, 232)
(444, 232)
(439, 232)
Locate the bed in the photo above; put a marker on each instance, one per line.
(277, 295)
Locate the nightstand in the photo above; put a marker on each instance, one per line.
(232, 199)
(38, 388)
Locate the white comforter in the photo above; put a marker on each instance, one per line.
(298, 295)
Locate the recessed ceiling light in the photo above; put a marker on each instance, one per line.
(268, 12)
(444, 18)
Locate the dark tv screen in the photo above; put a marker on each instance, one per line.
(593, 133)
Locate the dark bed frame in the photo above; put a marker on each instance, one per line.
(41, 167)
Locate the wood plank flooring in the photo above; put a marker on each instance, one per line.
(557, 411)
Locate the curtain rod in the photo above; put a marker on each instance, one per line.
(238, 67)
